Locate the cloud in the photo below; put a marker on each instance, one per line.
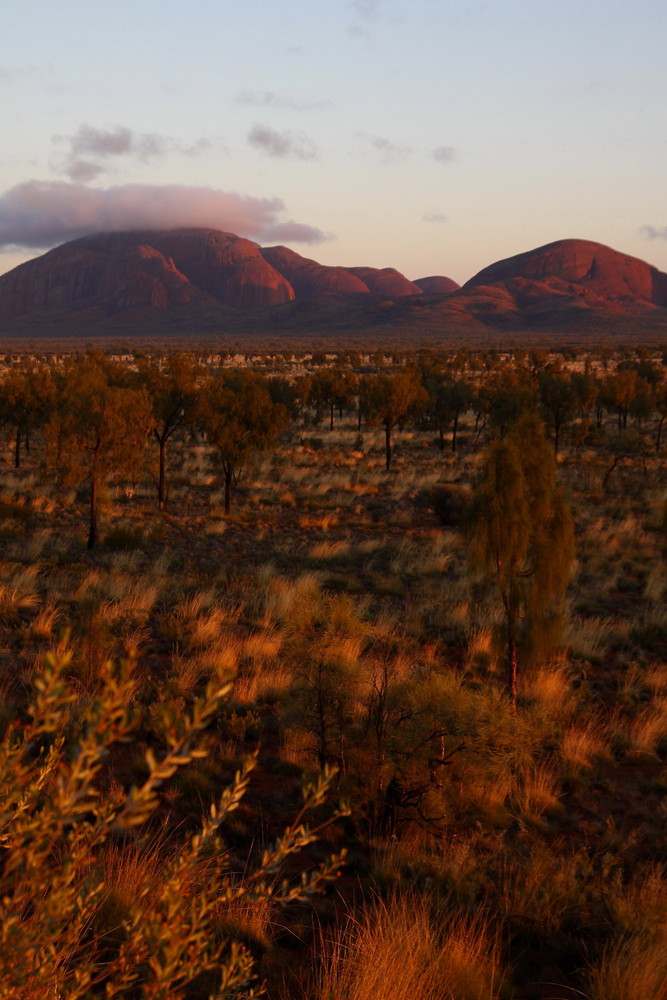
(83, 171)
(282, 145)
(269, 99)
(295, 232)
(90, 149)
(444, 154)
(389, 151)
(42, 214)
(435, 217)
(366, 11)
(653, 233)
(365, 8)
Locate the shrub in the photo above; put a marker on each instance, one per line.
(65, 928)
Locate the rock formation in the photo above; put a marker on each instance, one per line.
(205, 279)
(581, 269)
(437, 285)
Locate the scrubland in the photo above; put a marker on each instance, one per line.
(491, 853)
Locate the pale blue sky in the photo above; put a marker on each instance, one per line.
(435, 137)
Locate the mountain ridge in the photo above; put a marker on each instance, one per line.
(112, 278)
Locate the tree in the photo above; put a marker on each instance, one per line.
(506, 395)
(522, 536)
(332, 388)
(172, 389)
(27, 395)
(239, 417)
(448, 399)
(388, 399)
(618, 393)
(557, 400)
(100, 427)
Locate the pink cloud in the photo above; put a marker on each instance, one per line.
(42, 214)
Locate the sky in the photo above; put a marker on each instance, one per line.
(435, 136)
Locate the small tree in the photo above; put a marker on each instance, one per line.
(239, 417)
(172, 389)
(558, 401)
(388, 399)
(27, 396)
(522, 535)
(99, 427)
(448, 400)
(332, 388)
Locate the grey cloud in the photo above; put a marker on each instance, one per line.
(112, 142)
(389, 151)
(444, 154)
(269, 99)
(654, 233)
(83, 171)
(42, 214)
(107, 144)
(435, 217)
(366, 8)
(366, 11)
(282, 145)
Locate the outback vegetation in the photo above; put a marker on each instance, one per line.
(334, 676)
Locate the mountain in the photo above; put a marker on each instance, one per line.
(565, 276)
(204, 280)
(110, 273)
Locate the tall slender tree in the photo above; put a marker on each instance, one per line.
(522, 536)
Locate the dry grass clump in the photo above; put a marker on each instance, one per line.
(534, 791)
(402, 949)
(588, 638)
(18, 592)
(633, 968)
(551, 687)
(284, 600)
(43, 625)
(582, 743)
(544, 889)
(648, 730)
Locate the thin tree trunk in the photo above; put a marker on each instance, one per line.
(455, 427)
(228, 490)
(17, 449)
(511, 665)
(321, 719)
(387, 445)
(161, 502)
(609, 472)
(93, 532)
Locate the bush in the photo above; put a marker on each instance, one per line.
(450, 502)
(68, 925)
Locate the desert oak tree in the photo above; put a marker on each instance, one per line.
(522, 535)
